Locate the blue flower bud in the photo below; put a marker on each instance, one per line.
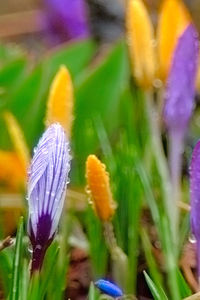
(109, 288)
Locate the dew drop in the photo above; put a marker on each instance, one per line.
(192, 239)
(157, 83)
(30, 250)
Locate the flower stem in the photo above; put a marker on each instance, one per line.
(119, 258)
(37, 258)
(161, 163)
(176, 143)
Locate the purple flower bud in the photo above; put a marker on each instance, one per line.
(180, 89)
(66, 19)
(195, 199)
(109, 288)
(48, 178)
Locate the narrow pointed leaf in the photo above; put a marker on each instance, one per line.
(16, 274)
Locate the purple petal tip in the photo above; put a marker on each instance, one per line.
(180, 89)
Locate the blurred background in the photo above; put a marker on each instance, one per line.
(23, 21)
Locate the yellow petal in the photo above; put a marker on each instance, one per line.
(141, 43)
(99, 187)
(174, 18)
(60, 102)
(18, 139)
(12, 172)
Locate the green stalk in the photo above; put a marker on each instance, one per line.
(120, 260)
(17, 263)
(162, 166)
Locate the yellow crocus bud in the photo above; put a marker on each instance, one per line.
(18, 139)
(140, 37)
(60, 101)
(174, 18)
(99, 187)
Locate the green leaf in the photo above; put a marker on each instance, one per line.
(98, 95)
(170, 255)
(15, 285)
(34, 287)
(185, 290)
(6, 259)
(24, 281)
(74, 55)
(48, 267)
(156, 291)
(155, 274)
(93, 293)
(12, 72)
(98, 249)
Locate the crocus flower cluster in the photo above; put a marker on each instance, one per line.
(99, 187)
(66, 19)
(149, 61)
(48, 178)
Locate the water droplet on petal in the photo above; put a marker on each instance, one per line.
(192, 239)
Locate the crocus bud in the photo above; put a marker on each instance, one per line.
(48, 178)
(174, 18)
(66, 19)
(109, 288)
(195, 199)
(141, 43)
(60, 101)
(180, 89)
(99, 187)
(18, 139)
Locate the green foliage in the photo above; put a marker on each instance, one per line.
(157, 291)
(17, 264)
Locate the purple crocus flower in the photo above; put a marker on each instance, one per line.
(109, 288)
(179, 104)
(180, 89)
(48, 177)
(66, 19)
(195, 199)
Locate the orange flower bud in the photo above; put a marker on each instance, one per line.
(99, 187)
(60, 102)
(174, 18)
(141, 43)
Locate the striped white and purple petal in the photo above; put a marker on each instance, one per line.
(180, 90)
(48, 178)
(195, 199)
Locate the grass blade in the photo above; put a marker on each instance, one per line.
(15, 286)
(156, 291)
